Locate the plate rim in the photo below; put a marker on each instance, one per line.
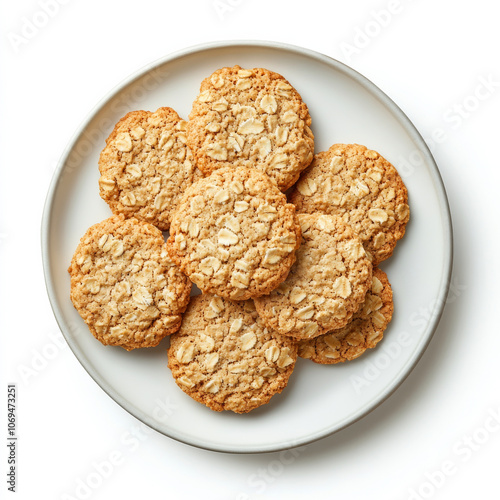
(404, 121)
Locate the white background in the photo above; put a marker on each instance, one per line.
(438, 435)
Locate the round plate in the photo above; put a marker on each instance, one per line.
(319, 400)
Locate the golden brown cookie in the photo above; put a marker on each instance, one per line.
(124, 285)
(251, 118)
(146, 165)
(234, 234)
(364, 189)
(364, 332)
(224, 357)
(326, 285)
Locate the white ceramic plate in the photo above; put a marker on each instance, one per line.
(319, 400)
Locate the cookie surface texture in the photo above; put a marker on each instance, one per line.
(326, 285)
(224, 357)
(146, 165)
(251, 118)
(124, 286)
(234, 234)
(364, 332)
(364, 189)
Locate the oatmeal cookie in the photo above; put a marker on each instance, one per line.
(146, 165)
(326, 285)
(364, 189)
(224, 357)
(251, 118)
(364, 332)
(234, 234)
(124, 285)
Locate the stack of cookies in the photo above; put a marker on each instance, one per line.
(280, 277)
